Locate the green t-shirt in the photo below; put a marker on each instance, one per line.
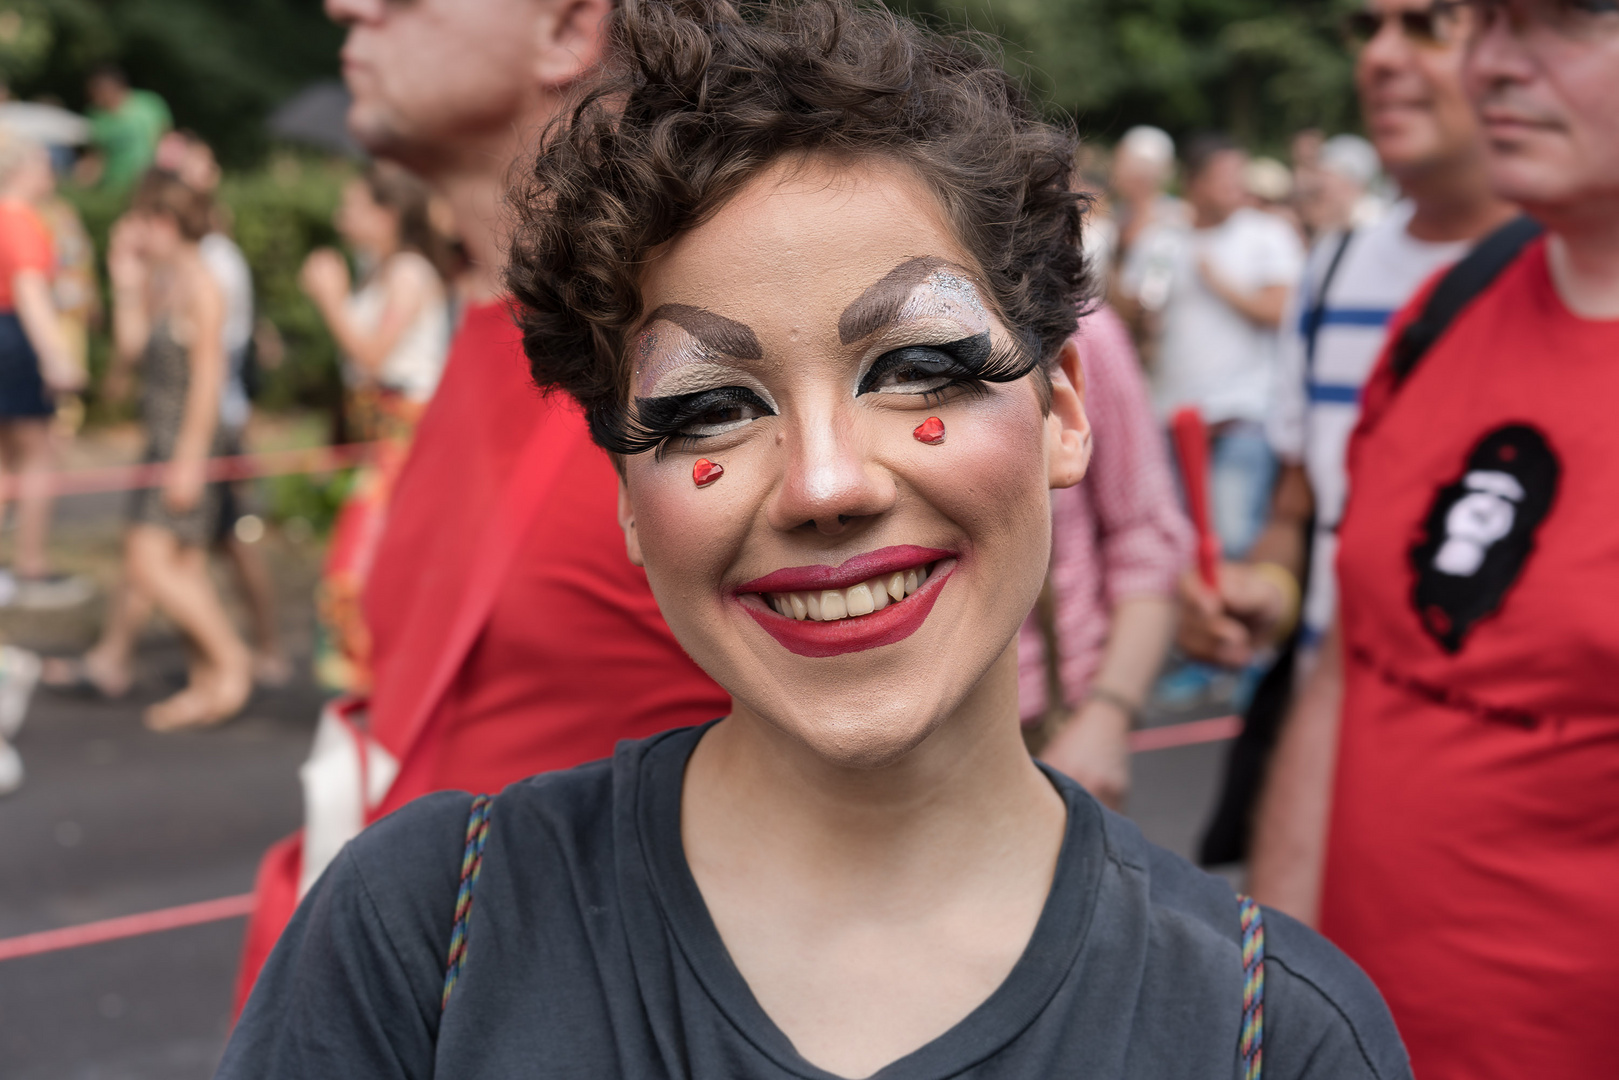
(127, 136)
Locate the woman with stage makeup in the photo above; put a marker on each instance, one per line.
(811, 272)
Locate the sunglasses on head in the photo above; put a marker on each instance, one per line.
(1435, 25)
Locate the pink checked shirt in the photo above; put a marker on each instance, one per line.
(1119, 533)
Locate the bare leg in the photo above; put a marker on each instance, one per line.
(111, 663)
(270, 665)
(35, 460)
(10, 459)
(178, 583)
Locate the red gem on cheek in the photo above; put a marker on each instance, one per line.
(930, 431)
(705, 472)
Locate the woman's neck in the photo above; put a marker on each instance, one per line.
(967, 789)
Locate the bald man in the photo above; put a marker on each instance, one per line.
(509, 632)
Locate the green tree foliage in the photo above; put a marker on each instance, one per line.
(1260, 69)
(222, 65)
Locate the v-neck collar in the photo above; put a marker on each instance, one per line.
(1051, 954)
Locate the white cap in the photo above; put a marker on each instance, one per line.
(1149, 143)
(1268, 179)
(1352, 158)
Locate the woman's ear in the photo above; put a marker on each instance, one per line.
(626, 521)
(568, 41)
(1068, 430)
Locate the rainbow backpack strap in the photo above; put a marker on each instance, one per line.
(1252, 1044)
(471, 866)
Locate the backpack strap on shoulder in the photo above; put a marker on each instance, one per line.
(1252, 1043)
(471, 866)
(1469, 277)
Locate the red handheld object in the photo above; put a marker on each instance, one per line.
(1191, 437)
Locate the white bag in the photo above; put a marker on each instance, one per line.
(348, 774)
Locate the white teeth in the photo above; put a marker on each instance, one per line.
(829, 605)
(833, 606)
(896, 585)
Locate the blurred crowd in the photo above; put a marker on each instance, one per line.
(183, 328)
(1276, 298)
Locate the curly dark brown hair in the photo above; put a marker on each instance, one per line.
(702, 95)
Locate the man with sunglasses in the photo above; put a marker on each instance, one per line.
(1471, 863)
(1408, 77)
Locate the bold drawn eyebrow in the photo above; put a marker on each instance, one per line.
(714, 331)
(880, 304)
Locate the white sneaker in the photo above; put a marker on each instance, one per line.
(19, 674)
(10, 768)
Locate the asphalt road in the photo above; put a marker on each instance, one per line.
(115, 820)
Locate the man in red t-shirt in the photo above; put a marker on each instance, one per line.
(509, 632)
(1449, 785)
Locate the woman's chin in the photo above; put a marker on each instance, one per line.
(864, 738)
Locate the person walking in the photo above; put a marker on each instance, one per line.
(189, 157)
(35, 356)
(1225, 282)
(508, 633)
(168, 313)
(1442, 797)
(394, 331)
(1408, 77)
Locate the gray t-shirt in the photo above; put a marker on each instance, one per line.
(590, 953)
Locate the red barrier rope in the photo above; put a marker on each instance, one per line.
(315, 459)
(147, 922)
(232, 907)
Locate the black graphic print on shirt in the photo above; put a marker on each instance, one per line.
(1480, 531)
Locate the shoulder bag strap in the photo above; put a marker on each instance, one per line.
(1252, 1043)
(1318, 309)
(1460, 284)
(471, 867)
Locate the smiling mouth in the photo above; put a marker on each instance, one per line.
(871, 600)
(866, 598)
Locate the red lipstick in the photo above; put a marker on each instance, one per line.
(896, 622)
(853, 572)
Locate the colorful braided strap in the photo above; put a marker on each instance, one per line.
(1252, 1045)
(471, 866)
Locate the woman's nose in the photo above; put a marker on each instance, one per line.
(831, 480)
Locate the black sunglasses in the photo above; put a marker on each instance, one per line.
(1436, 25)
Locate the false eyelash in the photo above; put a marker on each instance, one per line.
(656, 422)
(977, 359)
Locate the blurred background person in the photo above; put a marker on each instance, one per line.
(125, 127)
(1088, 654)
(1340, 193)
(1408, 76)
(1229, 275)
(394, 330)
(1271, 189)
(1442, 798)
(168, 318)
(1143, 167)
(239, 530)
(1140, 206)
(36, 362)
